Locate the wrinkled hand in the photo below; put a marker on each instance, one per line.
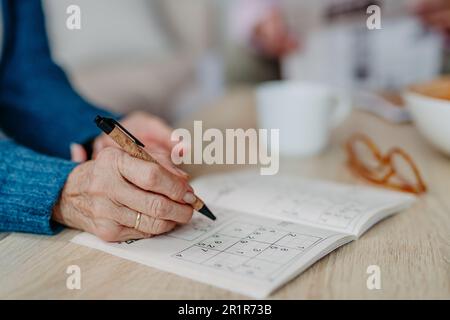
(153, 132)
(103, 197)
(272, 37)
(434, 13)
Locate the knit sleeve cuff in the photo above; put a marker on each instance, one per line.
(30, 185)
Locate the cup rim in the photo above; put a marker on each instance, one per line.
(288, 84)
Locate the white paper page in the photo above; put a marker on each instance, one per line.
(338, 207)
(237, 252)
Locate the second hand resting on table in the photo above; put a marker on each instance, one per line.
(103, 196)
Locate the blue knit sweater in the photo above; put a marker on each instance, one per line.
(41, 114)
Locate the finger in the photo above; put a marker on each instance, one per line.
(163, 158)
(131, 234)
(158, 132)
(136, 200)
(153, 177)
(77, 153)
(158, 152)
(101, 143)
(155, 226)
(147, 225)
(124, 216)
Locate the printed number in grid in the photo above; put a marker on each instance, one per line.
(297, 241)
(255, 251)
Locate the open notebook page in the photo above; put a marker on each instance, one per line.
(236, 252)
(338, 207)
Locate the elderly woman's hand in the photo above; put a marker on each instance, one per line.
(105, 195)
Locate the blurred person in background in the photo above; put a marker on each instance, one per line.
(435, 13)
(261, 26)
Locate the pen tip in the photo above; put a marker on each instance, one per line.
(204, 210)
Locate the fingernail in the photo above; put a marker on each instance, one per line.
(189, 197)
(76, 153)
(98, 144)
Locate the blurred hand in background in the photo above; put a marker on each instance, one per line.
(260, 24)
(271, 35)
(434, 13)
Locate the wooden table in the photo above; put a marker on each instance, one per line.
(412, 248)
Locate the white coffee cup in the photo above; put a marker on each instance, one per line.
(304, 113)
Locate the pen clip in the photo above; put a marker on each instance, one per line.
(116, 123)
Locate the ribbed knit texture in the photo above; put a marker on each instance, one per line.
(38, 110)
(30, 185)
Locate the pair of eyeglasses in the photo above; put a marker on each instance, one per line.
(395, 169)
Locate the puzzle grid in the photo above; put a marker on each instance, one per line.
(316, 208)
(248, 249)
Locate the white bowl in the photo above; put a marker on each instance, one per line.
(432, 118)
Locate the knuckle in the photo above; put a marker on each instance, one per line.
(96, 185)
(188, 215)
(155, 225)
(159, 207)
(106, 170)
(153, 176)
(118, 213)
(178, 191)
(108, 154)
(159, 226)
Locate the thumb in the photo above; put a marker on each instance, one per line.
(77, 153)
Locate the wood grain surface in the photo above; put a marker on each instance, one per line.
(412, 248)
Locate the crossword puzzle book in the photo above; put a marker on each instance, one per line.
(269, 230)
